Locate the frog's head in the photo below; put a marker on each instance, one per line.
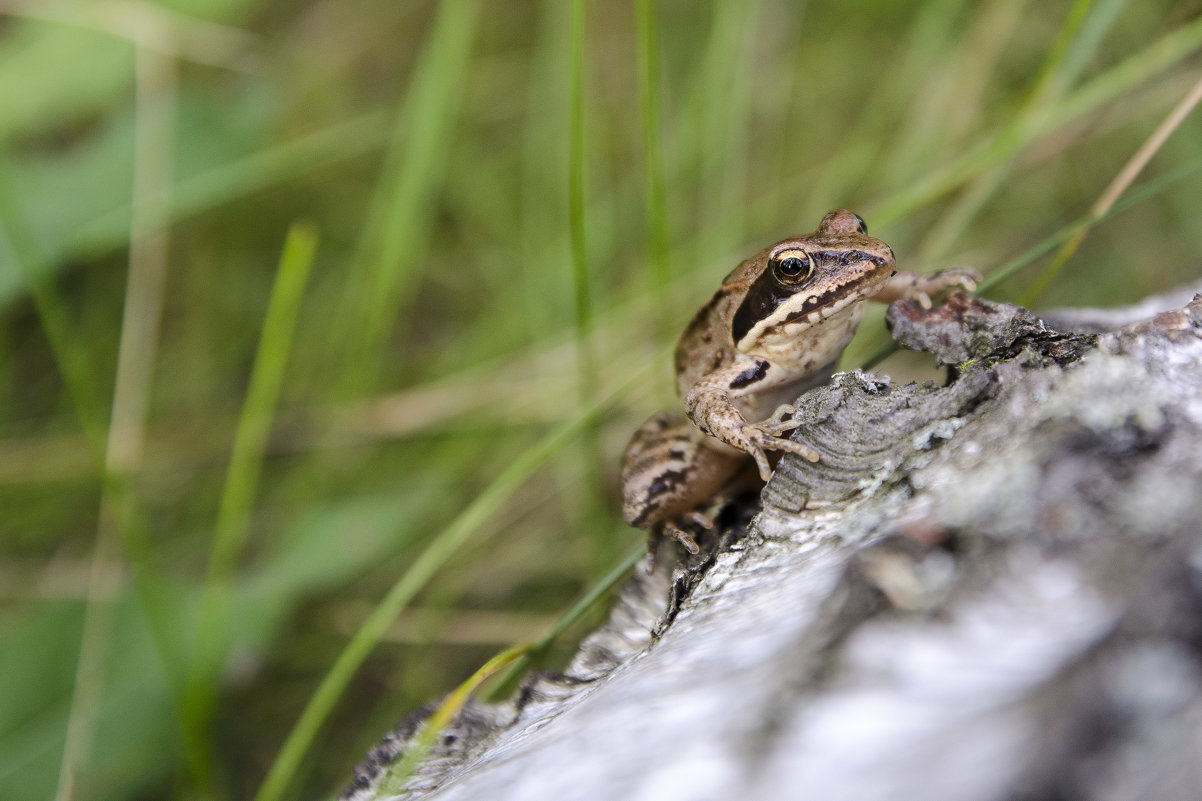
(803, 280)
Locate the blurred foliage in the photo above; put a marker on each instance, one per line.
(153, 158)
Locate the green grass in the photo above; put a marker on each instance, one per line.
(232, 528)
(255, 509)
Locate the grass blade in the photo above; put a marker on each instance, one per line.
(1079, 35)
(655, 191)
(1134, 70)
(399, 772)
(596, 592)
(581, 281)
(393, 237)
(513, 660)
(154, 137)
(225, 184)
(582, 278)
(238, 494)
(29, 263)
(1130, 171)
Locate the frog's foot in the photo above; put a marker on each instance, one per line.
(757, 442)
(673, 529)
(967, 278)
(946, 279)
(656, 535)
(683, 537)
(923, 287)
(715, 415)
(777, 424)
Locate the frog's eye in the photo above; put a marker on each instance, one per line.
(792, 266)
(861, 226)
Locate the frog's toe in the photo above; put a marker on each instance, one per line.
(761, 462)
(649, 560)
(699, 519)
(655, 535)
(963, 277)
(673, 529)
(683, 537)
(802, 450)
(968, 279)
(777, 424)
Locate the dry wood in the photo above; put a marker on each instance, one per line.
(990, 589)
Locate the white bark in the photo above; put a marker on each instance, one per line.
(987, 590)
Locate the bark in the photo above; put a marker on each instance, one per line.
(990, 589)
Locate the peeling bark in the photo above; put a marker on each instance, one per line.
(985, 590)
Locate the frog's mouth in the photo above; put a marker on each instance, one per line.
(833, 301)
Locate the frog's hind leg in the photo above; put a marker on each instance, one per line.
(669, 475)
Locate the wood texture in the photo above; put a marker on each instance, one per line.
(985, 590)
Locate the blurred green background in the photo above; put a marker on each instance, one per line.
(300, 299)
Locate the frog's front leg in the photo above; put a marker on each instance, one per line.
(710, 403)
(922, 287)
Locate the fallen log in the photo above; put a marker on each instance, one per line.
(983, 590)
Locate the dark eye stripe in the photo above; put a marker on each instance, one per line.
(767, 294)
(750, 375)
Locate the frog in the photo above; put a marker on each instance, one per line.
(774, 328)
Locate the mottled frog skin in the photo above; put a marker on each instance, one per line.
(774, 329)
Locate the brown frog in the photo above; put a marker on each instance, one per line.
(774, 329)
